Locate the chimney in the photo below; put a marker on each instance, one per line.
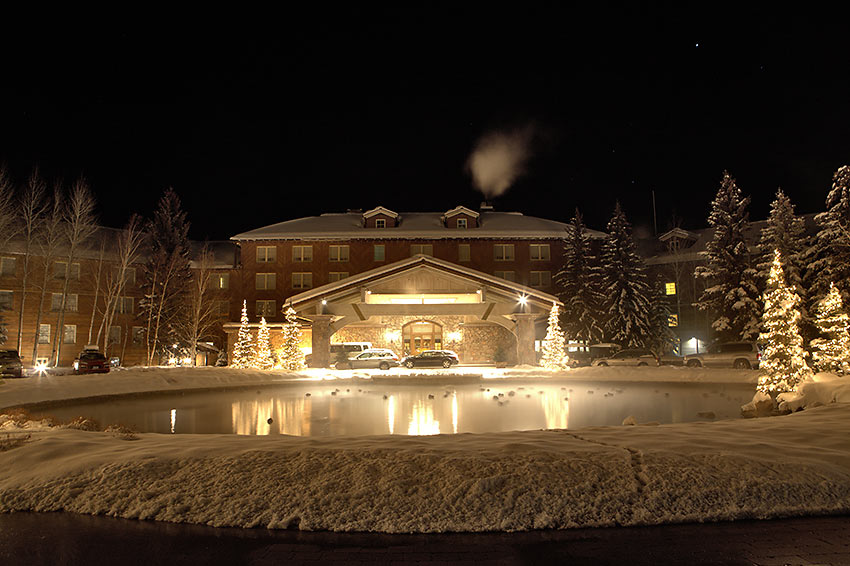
(486, 207)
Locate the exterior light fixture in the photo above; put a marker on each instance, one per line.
(324, 302)
(523, 300)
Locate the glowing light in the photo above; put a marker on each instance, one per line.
(523, 300)
(454, 336)
(41, 368)
(324, 302)
(454, 412)
(173, 419)
(392, 335)
(422, 422)
(391, 414)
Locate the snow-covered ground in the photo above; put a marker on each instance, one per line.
(796, 464)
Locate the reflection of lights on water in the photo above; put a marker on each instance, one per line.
(556, 410)
(454, 412)
(422, 422)
(391, 414)
(258, 417)
(173, 419)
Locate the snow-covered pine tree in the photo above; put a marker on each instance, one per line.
(243, 349)
(662, 339)
(829, 258)
(786, 232)
(263, 358)
(578, 282)
(832, 351)
(554, 351)
(624, 285)
(732, 295)
(291, 355)
(783, 362)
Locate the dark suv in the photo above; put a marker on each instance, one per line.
(10, 363)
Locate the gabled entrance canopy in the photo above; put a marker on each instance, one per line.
(423, 286)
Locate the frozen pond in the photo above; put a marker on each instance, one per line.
(364, 408)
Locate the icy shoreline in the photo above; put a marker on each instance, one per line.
(792, 465)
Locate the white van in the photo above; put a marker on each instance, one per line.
(350, 348)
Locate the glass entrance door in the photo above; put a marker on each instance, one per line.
(421, 335)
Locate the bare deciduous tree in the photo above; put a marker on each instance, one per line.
(9, 225)
(33, 207)
(50, 238)
(201, 315)
(129, 244)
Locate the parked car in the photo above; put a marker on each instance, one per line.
(10, 363)
(345, 347)
(629, 357)
(91, 360)
(579, 359)
(738, 355)
(380, 358)
(431, 358)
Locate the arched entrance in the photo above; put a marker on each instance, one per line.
(421, 335)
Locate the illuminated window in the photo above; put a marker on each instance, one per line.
(44, 334)
(335, 276)
(673, 320)
(70, 335)
(461, 222)
(267, 309)
(503, 252)
(379, 252)
(220, 281)
(509, 275)
(670, 288)
(302, 253)
(380, 223)
(540, 279)
(338, 253)
(539, 252)
(427, 249)
(463, 253)
(266, 254)
(265, 281)
(302, 280)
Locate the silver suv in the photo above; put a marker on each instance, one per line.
(738, 355)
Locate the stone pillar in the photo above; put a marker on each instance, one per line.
(321, 340)
(525, 339)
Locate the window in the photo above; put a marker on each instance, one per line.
(302, 253)
(59, 268)
(44, 334)
(8, 266)
(540, 279)
(265, 281)
(266, 254)
(55, 301)
(266, 308)
(335, 276)
(380, 223)
(503, 252)
(379, 252)
(338, 253)
(130, 276)
(427, 249)
(673, 320)
(222, 307)
(70, 334)
(124, 305)
(220, 281)
(6, 300)
(71, 301)
(539, 252)
(302, 280)
(138, 335)
(114, 334)
(509, 275)
(463, 253)
(461, 222)
(670, 288)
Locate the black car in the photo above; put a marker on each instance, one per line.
(10, 363)
(91, 361)
(431, 358)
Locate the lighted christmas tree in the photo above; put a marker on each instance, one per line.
(783, 363)
(263, 358)
(291, 356)
(832, 352)
(554, 355)
(243, 350)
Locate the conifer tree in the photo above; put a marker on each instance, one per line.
(578, 280)
(731, 295)
(625, 287)
(783, 362)
(829, 257)
(662, 339)
(263, 358)
(243, 350)
(554, 352)
(832, 352)
(291, 355)
(785, 232)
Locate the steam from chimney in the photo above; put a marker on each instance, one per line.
(499, 158)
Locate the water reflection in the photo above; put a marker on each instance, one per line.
(321, 410)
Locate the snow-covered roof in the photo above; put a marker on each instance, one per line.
(461, 210)
(380, 210)
(413, 225)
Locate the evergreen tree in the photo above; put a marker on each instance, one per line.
(732, 293)
(263, 358)
(291, 355)
(554, 352)
(829, 257)
(784, 232)
(578, 280)
(662, 339)
(243, 350)
(624, 284)
(832, 352)
(783, 363)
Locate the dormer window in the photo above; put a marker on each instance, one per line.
(461, 223)
(380, 223)
(380, 217)
(460, 217)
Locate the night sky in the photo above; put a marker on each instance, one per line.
(265, 119)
